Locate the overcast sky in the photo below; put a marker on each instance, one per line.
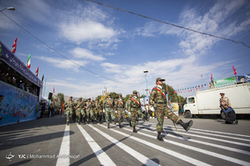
(111, 48)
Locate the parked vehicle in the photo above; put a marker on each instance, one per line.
(207, 102)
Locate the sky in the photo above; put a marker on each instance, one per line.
(82, 47)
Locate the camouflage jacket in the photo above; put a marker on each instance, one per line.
(108, 102)
(119, 103)
(69, 105)
(135, 102)
(157, 96)
(89, 105)
(99, 105)
(128, 105)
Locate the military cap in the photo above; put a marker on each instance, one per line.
(159, 79)
(70, 97)
(120, 94)
(89, 98)
(135, 92)
(109, 94)
(80, 98)
(222, 93)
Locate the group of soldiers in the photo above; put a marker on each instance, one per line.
(131, 109)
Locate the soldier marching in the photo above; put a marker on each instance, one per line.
(93, 110)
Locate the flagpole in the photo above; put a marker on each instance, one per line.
(45, 85)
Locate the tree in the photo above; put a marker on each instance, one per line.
(60, 96)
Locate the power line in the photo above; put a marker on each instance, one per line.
(60, 53)
(164, 22)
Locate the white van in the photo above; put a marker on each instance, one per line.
(207, 102)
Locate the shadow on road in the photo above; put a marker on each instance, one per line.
(93, 155)
(25, 133)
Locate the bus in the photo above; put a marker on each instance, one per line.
(20, 89)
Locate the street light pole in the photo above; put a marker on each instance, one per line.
(8, 8)
(146, 81)
(45, 85)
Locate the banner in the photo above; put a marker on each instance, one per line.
(16, 64)
(243, 78)
(16, 105)
(224, 82)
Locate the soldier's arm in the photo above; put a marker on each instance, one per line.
(152, 97)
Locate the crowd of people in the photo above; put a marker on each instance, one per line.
(7, 78)
(94, 111)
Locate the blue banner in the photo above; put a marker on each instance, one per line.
(16, 105)
(18, 65)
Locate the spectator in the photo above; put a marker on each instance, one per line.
(170, 105)
(230, 116)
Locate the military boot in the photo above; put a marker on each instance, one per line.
(159, 137)
(134, 130)
(67, 123)
(130, 123)
(120, 125)
(187, 125)
(108, 125)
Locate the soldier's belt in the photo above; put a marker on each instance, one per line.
(108, 107)
(160, 103)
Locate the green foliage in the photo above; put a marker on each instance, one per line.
(60, 97)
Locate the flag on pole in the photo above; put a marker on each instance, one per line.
(37, 71)
(14, 46)
(53, 89)
(29, 61)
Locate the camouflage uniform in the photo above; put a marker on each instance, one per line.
(89, 108)
(108, 105)
(158, 100)
(128, 108)
(69, 108)
(135, 106)
(99, 107)
(161, 108)
(119, 105)
(79, 109)
(94, 112)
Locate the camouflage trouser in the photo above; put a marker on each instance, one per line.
(134, 116)
(95, 112)
(100, 113)
(108, 112)
(68, 113)
(161, 111)
(83, 113)
(78, 115)
(140, 114)
(120, 114)
(88, 112)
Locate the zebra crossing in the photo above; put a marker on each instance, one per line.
(196, 147)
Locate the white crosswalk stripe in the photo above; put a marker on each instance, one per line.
(101, 155)
(145, 160)
(225, 147)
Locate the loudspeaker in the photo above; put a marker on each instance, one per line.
(50, 96)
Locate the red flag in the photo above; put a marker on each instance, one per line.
(234, 70)
(14, 46)
(37, 71)
(53, 89)
(211, 77)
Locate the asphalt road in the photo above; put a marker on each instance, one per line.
(49, 141)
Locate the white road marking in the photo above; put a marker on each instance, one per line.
(100, 154)
(217, 155)
(143, 159)
(167, 151)
(63, 158)
(202, 142)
